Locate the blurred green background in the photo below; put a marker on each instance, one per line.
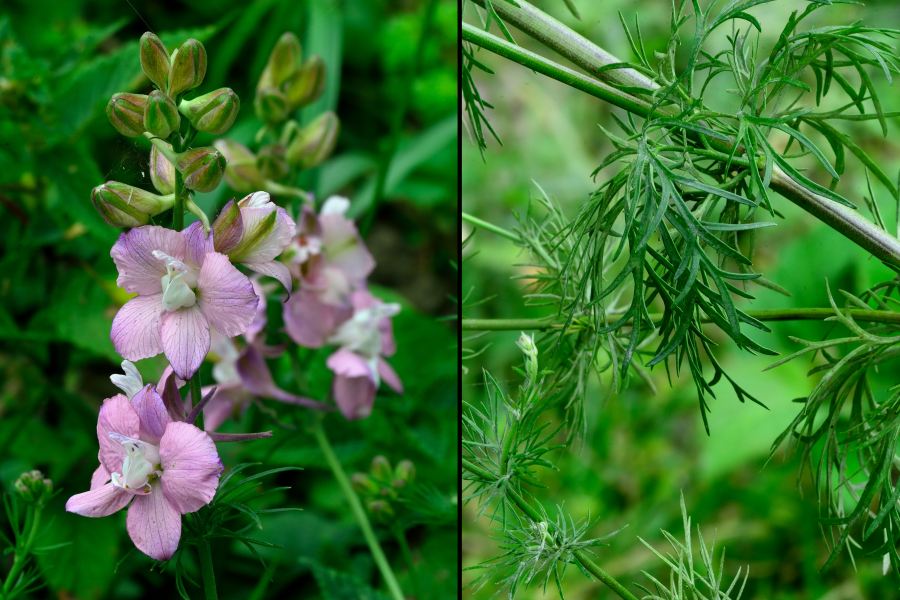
(59, 64)
(641, 448)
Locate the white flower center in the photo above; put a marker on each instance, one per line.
(177, 283)
(361, 334)
(255, 200)
(131, 382)
(140, 464)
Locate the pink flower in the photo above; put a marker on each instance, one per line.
(331, 262)
(184, 290)
(358, 364)
(163, 468)
(254, 232)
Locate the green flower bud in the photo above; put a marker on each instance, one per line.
(154, 60)
(202, 168)
(283, 61)
(380, 510)
(315, 142)
(381, 468)
(271, 105)
(306, 84)
(162, 172)
(213, 112)
(363, 484)
(123, 205)
(126, 113)
(271, 162)
(188, 67)
(161, 115)
(241, 174)
(404, 474)
(32, 486)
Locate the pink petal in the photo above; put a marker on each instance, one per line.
(191, 467)
(167, 388)
(227, 399)
(135, 328)
(139, 271)
(362, 299)
(154, 525)
(273, 269)
(344, 248)
(309, 321)
(225, 296)
(257, 378)
(258, 325)
(116, 416)
(98, 502)
(264, 246)
(389, 376)
(197, 243)
(354, 396)
(349, 364)
(151, 411)
(185, 340)
(100, 476)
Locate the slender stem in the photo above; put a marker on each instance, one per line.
(178, 208)
(22, 553)
(787, 314)
(196, 397)
(356, 507)
(206, 567)
(581, 556)
(490, 227)
(400, 536)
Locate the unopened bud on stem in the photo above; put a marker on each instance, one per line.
(123, 205)
(126, 113)
(188, 67)
(306, 84)
(315, 142)
(202, 168)
(162, 172)
(213, 112)
(161, 115)
(155, 60)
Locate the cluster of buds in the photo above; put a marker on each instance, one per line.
(33, 487)
(286, 84)
(170, 122)
(381, 486)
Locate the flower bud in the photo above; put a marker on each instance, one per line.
(283, 61)
(404, 474)
(126, 113)
(241, 173)
(123, 205)
(530, 351)
(32, 486)
(271, 162)
(162, 172)
(228, 228)
(380, 509)
(363, 484)
(381, 468)
(161, 115)
(315, 142)
(188, 67)
(154, 60)
(213, 112)
(202, 168)
(270, 105)
(306, 84)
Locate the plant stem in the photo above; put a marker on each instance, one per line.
(206, 567)
(581, 556)
(356, 507)
(490, 227)
(22, 552)
(400, 536)
(178, 208)
(787, 314)
(848, 223)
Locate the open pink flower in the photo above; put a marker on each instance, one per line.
(184, 290)
(163, 468)
(358, 365)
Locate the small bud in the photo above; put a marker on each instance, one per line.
(271, 162)
(381, 468)
(162, 172)
(315, 142)
(241, 173)
(154, 60)
(32, 486)
(380, 509)
(404, 474)
(161, 115)
(306, 84)
(126, 113)
(202, 168)
(270, 105)
(283, 61)
(363, 484)
(529, 350)
(188, 67)
(228, 227)
(123, 205)
(213, 112)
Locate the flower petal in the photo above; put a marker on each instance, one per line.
(185, 340)
(257, 379)
(264, 237)
(226, 296)
(139, 271)
(344, 248)
(116, 416)
(135, 328)
(223, 404)
(349, 364)
(100, 476)
(389, 376)
(98, 502)
(273, 269)
(167, 388)
(309, 321)
(354, 396)
(151, 411)
(154, 525)
(191, 467)
(197, 243)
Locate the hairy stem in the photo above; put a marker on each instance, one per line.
(357, 509)
(787, 314)
(580, 555)
(848, 223)
(206, 567)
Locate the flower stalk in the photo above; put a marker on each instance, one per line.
(206, 568)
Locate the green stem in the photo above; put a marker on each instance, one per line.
(532, 513)
(356, 507)
(22, 553)
(400, 536)
(490, 227)
(206, 567)
(787, 314)
(196, 396)
(178, 208)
